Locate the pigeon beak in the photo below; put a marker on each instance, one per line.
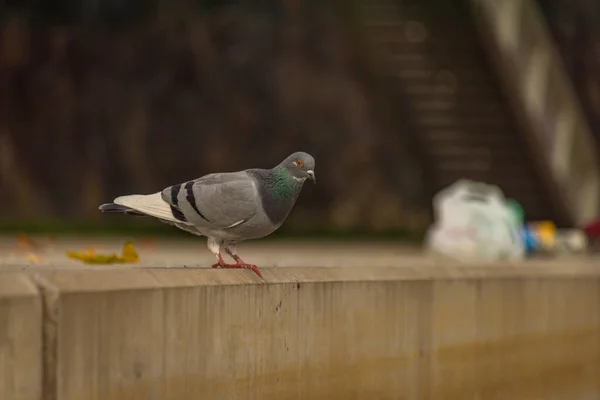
(311, 175)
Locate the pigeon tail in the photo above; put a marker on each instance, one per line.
(116, 208)
(145, 204)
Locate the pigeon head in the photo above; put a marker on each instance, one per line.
(300, 165)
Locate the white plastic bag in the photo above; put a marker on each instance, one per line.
(473, 222)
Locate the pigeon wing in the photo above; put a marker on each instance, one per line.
(217, 201)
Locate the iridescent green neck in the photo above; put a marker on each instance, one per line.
(278, 192)
(282, 185)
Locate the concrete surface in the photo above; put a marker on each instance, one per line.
(193, 253)
(44, 253)
(410, 327)
(326, 333)
(20, 339)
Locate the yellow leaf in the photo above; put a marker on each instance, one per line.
(33, 258)
(104, 259)
(129, 255)
(80, 255)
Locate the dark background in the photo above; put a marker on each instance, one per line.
(103, 98)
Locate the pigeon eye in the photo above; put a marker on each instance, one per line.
(299, 163)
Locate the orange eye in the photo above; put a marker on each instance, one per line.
(299, 163)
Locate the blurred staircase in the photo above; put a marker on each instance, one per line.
(465, 125)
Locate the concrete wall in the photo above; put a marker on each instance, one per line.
(20, 338)
(306, 333)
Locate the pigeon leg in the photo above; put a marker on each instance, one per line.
(239, 262)
(221, 263)
(214, 246)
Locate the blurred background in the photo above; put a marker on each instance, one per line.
(396, 99)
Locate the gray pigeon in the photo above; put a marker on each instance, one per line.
(227, 207)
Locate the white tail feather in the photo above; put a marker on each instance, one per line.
(149, 204)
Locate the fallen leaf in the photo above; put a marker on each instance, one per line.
(24, 242)
(33, 258)
(128, 255)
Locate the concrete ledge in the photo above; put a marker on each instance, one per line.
(456, 332)
(20, 338)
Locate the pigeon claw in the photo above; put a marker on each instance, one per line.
(244, 265)
(225, 265)
(252, 267)
(234, 266)
(239, 263)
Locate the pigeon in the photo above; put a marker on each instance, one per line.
(226, 207)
